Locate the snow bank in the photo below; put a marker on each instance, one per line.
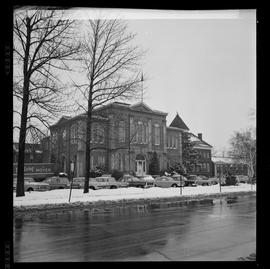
(62, 196)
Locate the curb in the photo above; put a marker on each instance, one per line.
(104, 206)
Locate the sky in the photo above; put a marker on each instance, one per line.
(201, 64)
(204, 69)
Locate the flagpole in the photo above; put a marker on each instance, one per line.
(142, 86)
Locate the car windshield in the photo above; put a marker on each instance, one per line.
(79, 180)
(29, 179)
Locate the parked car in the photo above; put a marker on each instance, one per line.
(142, 182)
(205, 181)
(63, 174)
(180, 178)
(77, 183)
(214, 180)
(104, 182)
(57, 182)
(31, 185)
(167, 182)
(242, 179)
(191, 180)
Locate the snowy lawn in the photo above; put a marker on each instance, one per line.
(62, 196)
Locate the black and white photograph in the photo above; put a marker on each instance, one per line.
(134, 135)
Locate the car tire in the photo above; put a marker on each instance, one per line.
(113, 187)
(92, 188)
(174, 185)
(30, 189)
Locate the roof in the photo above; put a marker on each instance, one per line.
(178, 123)
(224, 160)
(140, 106)
(196, 141)
(82, 115)
(169, 128)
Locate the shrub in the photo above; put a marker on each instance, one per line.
(178, 168)
(97, 172)
(117, 174)
(230, 180)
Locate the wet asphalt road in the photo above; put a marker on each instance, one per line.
(220, 231)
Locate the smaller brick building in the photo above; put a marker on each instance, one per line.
(204, 166)
(33, 153)
(222, 165)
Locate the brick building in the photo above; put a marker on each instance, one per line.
(124, 137)
(33, 153)
(222, 165)
(204, 166)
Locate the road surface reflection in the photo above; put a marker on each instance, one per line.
(220, 229)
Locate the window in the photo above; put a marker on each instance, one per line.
(204, 167)
(101, 160)
(73, 134)
(81, 130)
(144, 136)
(64, 136)
(122, 132)
(157, 134)
(119, 161)
(140, 133)
(133, 133)
(97, 134)
(208, 167)
(100, 135)
(54, 139)
(113, 161)
(174, 142)
(93, 134)
(92, 162)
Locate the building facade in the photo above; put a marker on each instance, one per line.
(204, 165)
(223, 165)
(33, 153)
(124, 137)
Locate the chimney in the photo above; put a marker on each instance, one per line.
(200, 136)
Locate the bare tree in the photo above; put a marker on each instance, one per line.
(110, 63)
(43, 43)
(243, 148)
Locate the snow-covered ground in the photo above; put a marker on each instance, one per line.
(62, 196)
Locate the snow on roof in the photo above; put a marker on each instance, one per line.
(195, 140)
(225, 160)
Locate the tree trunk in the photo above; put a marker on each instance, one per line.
(20, 172)
(87, 144)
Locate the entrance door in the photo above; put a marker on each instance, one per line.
(140, 165)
